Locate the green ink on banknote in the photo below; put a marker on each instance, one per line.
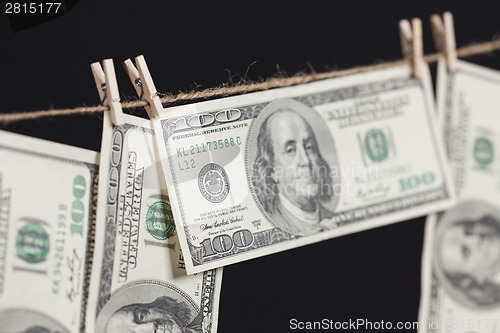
(160, 221)
(484, 152)
(79, 187)
(32, 242)
(78, 207)
(376, 145)
(414, 181)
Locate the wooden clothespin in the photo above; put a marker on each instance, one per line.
(411, 44)
(444, 38)
(108, 89)
(144, 86)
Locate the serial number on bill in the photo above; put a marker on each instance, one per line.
(32, 7)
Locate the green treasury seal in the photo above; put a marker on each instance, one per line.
(376, 145)
(160, 221)
(484, 151)
(32, 242)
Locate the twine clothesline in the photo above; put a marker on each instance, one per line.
(245, 88)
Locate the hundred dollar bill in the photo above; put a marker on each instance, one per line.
(139, 281)
(461, 257)
(256, 174)
(47, 210)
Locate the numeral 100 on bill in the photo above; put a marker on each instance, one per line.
(225, 243)
(415, 181)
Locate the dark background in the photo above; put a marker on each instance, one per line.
(373, 275)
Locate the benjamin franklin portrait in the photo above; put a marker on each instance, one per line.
(467, 254)
(150, 307)
(290, 175)
(164, 314)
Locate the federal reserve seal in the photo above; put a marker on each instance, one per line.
(213, 183)
(159, 220)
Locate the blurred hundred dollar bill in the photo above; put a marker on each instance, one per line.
(47, 209)
(461, 257)
(139, 281)
(264, 172)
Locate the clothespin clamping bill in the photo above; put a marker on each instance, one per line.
(444, 38)
(411, 44)
(107, 87)
(144, 85)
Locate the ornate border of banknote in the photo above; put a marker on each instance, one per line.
(204, 119)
